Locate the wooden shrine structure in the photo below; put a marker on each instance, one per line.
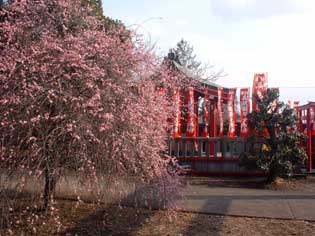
(209, 135)
(306, 125)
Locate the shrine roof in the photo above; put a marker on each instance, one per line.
(203, 81)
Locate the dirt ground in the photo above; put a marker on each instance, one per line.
(305, 185)
(86, 219)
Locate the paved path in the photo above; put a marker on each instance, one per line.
(248, 202)
(204, 198)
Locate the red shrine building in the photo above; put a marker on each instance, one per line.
(210, 127)
(306, 124)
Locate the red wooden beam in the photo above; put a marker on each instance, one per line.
(309, 140)
(213, 120)
(243, 173)
(207, 159)
(300, 124)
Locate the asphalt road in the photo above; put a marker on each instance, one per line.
(248, 202)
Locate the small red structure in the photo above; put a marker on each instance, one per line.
(306, 125)
(208, 136)
(202, 140)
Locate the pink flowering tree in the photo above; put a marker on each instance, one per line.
(75, 95)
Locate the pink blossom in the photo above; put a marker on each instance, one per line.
(80, 97)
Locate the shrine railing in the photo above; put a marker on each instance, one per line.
(207, 147)
(211, 155)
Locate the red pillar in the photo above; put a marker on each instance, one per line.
(309, 140)
(205, 131)
(213, 125)
(213, 121)
(177, 125)
(191, 130)
(300, 124)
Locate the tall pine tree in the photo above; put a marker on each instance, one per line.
(97, 7)
(183, 54)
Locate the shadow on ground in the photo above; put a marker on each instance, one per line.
(130, 215)
(117, 219)
(143, 221)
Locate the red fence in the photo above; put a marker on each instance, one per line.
(211, 155)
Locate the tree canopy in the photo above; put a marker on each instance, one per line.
(75, 95)
(96, 6)
(184, 55)
(183, 58)
(276, 142)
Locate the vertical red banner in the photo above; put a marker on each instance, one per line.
(205, 132)
(273, 108)
(312, 112)
(295, 110)
(260, 85)
(295, 107)
(191, 116)
(231, 112)
(289, 104)
(176, 97)
(244, 110)
(213, 118)
(275, 102)
(220, 113)
(312, 120)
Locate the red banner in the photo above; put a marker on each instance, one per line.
(295, 106)
(245, 109)
(274, 104)
(289, 104)
(176, 97)
(191, 116)
(205, 115)
(231, 112)
(220, 90)
(273, 108)
(295, 110)
(259, 86)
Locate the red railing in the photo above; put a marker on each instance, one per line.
(211, 155)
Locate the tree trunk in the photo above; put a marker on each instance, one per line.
(274, 172)
(50, 184)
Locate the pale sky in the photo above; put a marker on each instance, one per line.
(240, 36)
